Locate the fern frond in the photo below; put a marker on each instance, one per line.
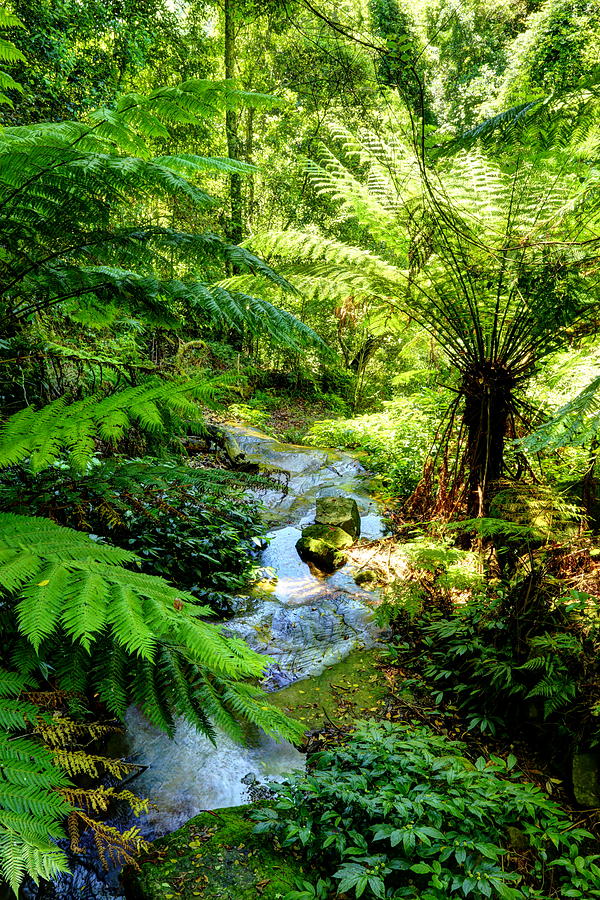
(576, 423)
(42, 436)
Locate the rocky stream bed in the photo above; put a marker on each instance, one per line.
(319, 632)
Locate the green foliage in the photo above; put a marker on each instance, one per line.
(471, 253)
(71, 607)
(577, 423)
(79, 55)
(401, 64)
(400, 812)
(466, 55)
(504, 668)
(118, 635)
(76, 227)
(10, 54)
(558, 49)
(41, 437)
(191, 526)
(393, 443)
(31, 809)
(249, 414)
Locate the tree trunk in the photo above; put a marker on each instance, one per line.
(248, 154)
(488, 393)
(236, 229)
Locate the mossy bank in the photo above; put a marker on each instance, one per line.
(217, 857)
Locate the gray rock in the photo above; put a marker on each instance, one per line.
(342, 512)
(586, 779)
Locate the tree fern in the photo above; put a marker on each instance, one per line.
(67, 192)
(488, 260)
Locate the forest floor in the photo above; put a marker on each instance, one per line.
(286, 417)
(379, 685)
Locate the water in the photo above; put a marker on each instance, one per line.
(306, 622)
(189, 773)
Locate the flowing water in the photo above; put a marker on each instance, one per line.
(303, 621)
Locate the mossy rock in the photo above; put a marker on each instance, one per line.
(323, 546)
(352, 689)
(341, 512)
(214, 856)
(366, 576)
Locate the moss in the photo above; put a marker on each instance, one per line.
(331, 535)
(214, 856)
(366, 576)
(322, 546)
(341, 512)
(352, 689)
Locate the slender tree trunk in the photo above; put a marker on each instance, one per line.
(248, 153)
(236, 229)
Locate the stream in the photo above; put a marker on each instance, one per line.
(303, 621)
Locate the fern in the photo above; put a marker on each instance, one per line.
(67, 192)
(108, 630)
(31, 810)
(42, 436)
(577, 423)
(488, 262)
(10, 54)
(118, 635)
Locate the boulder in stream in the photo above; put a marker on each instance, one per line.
(341, 512)
(323, 545)
(217, 857)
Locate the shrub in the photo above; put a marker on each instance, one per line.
(400, 812)
(395, 442)
(541, 671)
(192, 527)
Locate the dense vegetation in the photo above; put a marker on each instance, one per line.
(371, 225)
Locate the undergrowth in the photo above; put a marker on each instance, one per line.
(193, 527)
(393, 443)
(399, 812)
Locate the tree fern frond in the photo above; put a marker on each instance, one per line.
(41, 436)
(576, 423)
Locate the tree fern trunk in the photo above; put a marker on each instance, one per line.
(488, 392)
